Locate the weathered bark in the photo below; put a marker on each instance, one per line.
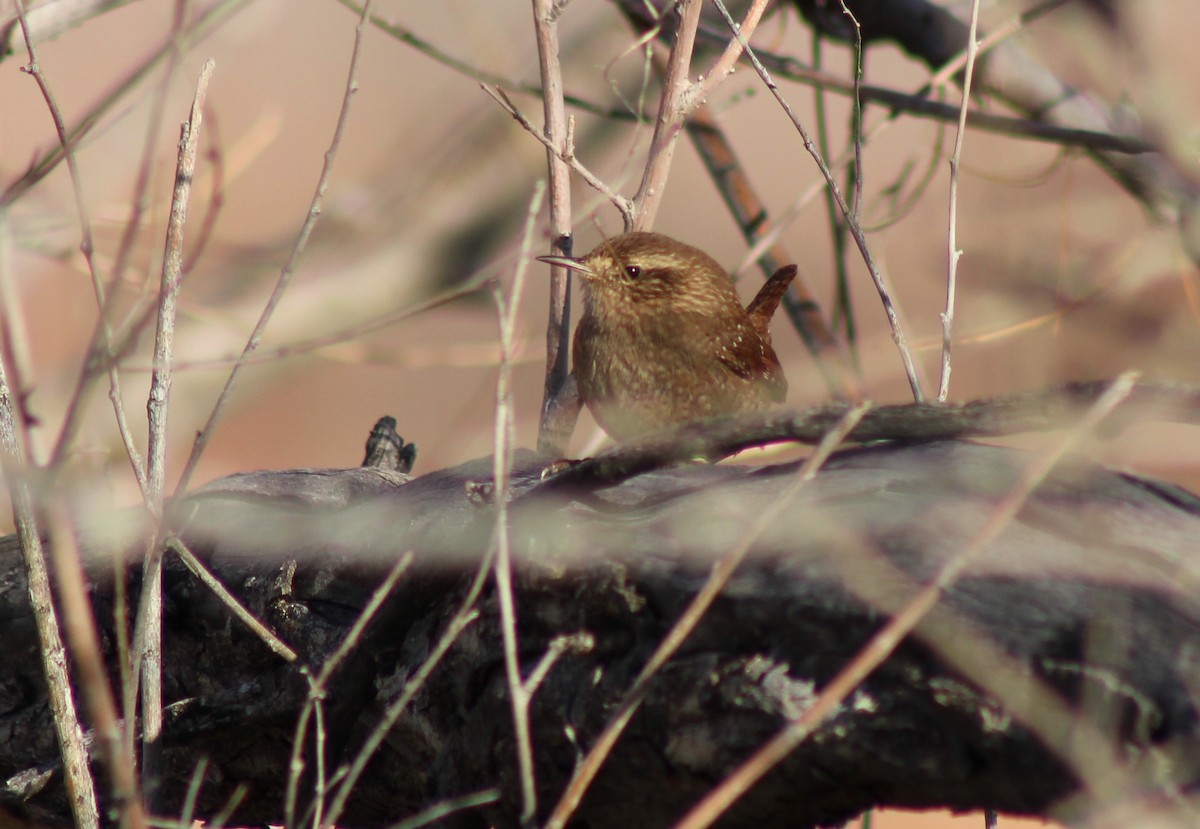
(1091, 591)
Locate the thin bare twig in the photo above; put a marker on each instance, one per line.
(285, 275)
(953, 253)
(728, 174)
(33, 68)
(462, 619)
(883, 643)
(80, 788)
(239, 610)
(80, 625)
(671, 114)
(87, 245)
(725, 64)
(138, 206)
(843, 311)
(205, 24)
(506, 310)
(317, 685)
(722, 571)
(147, 650)
(582, 642)
(881, 286)
(623, 205)
(99, 355)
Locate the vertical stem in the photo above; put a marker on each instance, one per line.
(552, 434)
(149, 656)
(953, 253)
(80, 788)
(670, 116)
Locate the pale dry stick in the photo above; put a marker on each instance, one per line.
(33, 68)
(79, 621)
(213, 17)
(138, 206)
(953, 254)
(721, 572)
(288, 270)
(99, 354)
(582, 642)
(506, 312)
(104, 335)
(877, 277)
(669, 122)
(883, 643)
(558, 133)
(623, 205)
(316, 687)
(87, 245)
(147, 638)
(196, 566)
(81, 792)
(138, 201)
(320, 787)
(991, 40)
(216, 199)
(699, 92)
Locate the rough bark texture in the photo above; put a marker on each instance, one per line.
(1091, 591)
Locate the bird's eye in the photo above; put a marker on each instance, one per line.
(633, 271)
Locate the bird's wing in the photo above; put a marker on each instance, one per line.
(753, 358)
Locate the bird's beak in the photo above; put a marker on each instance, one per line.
(568, 262)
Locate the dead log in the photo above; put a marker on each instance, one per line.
(1090, 593)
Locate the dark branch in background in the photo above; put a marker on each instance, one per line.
(933, 35)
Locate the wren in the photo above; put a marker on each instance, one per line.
(664, 338)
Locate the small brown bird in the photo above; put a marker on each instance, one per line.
(664, 338)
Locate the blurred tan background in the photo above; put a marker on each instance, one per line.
(1063, 275)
